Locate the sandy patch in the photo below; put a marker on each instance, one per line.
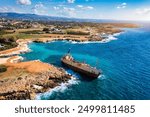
(3, 60)
(33, 66)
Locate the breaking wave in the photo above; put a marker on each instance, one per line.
(108, 39)
(61, 88)
(102, 77)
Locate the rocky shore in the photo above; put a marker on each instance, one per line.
(23, 80)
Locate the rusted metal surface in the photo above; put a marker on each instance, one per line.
(80, 67)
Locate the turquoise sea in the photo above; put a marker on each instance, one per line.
(124, 62)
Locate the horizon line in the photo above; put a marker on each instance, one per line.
(78, 17)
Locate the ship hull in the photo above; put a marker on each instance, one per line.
(81, 70)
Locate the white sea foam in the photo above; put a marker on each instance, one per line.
(108, 39)
(117, 34)
(74, 74)
(64, 86)
(102, 77)
(111, 38)
(61, 88)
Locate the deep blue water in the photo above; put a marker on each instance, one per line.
(125, 64)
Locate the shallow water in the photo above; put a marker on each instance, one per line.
(125, 64)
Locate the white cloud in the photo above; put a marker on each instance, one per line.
(69, 9)
(80, 6)
(89, 0)
(122, 6)
(4, 9)
(39, 9)
(7, 9)
(145, 11)
(65, 11)
(70, 1)
(71, 12)
(85, 7)
(124, 3)
(24, 2)
(56, 8)
(89, 7)
(39, 5)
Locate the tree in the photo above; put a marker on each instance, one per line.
(45, 29)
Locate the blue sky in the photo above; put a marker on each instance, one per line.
(95, 9)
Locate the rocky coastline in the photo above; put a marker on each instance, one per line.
(23, 80)
(30, 82)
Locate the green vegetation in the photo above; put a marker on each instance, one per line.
(22, 36)
(8, 43)
(3, 32)
(32, 32)
(45, 29)
(3, 68)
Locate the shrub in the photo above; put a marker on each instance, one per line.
(45, 29)
(3, 68)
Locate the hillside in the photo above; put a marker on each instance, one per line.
(34, 17)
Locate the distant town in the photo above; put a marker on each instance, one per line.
(11, 30)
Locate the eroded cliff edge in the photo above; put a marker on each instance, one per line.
(24, 80)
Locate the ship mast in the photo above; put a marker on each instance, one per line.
(69, 50)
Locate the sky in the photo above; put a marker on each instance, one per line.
(91, 9)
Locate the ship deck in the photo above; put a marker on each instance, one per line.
(81, 66)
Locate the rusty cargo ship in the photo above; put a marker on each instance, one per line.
(82, 68)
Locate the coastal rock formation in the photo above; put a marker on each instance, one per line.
(15, 95)
(24, 80)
